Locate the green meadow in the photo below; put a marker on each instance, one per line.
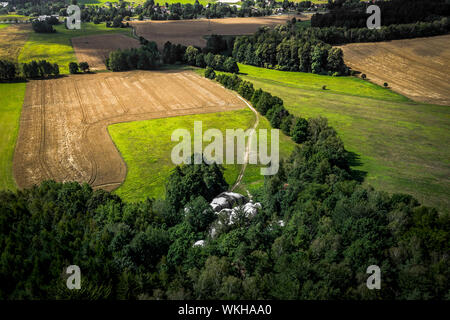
(401, 146)
(11, 98)
(146, 148)
(57, 47)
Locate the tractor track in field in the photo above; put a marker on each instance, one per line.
(63, 127)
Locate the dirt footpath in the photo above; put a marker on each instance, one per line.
(193, 32)
(63, 127)
(417, 68)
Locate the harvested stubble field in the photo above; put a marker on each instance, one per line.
(63, 127)
(12, 40)
(193, 32)
(95, 49)
(417, 68)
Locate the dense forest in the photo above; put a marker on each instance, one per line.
(352, 13)
(280, 49)
(318, 230)
(293, 47)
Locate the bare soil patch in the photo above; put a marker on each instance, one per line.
(12, 40)
(95, 49)
(63, 127)
(417, 68)
(193, 32)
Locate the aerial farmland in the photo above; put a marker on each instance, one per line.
(224, 150)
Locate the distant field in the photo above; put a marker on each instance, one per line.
(192, 32)
(417, 68)
(11, 98)
(57, 47)
(95, 49)
(12, 40)
(2, 26)
(402, 145)
(100, 2)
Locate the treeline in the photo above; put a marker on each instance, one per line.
(10, 71)
(276, 49)
(174, 11)
(147, 57)
(335, 35)
(177, 11)
(352, 14)
(45, 26)
(292, 47)
(194, 57)
(272, 107)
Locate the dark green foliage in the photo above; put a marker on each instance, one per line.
(8, 70)
(194, 57)
(299, 130)
(146, 57)
(230, 65)
(209, 73)
(246, 89)
(73, 67)
(199, 214)
(352, 14)
(283, 49)
(39, 69)
(190, 181)
(84, 66)
(334, 228)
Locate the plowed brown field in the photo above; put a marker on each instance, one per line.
(95, 49)
(417, 68)
(192, 32)
(63, 128)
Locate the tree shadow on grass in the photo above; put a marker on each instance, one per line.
(354, 160)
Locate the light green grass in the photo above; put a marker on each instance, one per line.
(11, 99)
(3, 26)
(403, 145)
(314, 82)
(57, 47)
(146, 148)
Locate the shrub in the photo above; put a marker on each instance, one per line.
(84, 66)
(42, 27)
(209, 73)
(299, 131)
(73, 67)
